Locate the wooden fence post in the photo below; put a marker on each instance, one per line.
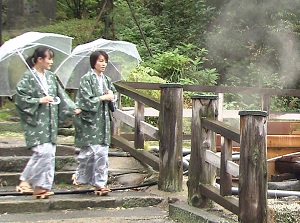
(253, 167)
(265, 102)
(171, 135)
(201, 172)
(138, 134)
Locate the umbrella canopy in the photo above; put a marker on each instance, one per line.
(123, 58)
(14, 52)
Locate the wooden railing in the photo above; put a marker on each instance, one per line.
(252, 172)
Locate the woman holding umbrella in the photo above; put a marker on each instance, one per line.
(92, 126)
(42, 104)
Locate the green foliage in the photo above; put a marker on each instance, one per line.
(78, 9)
(127, 29)
(170, 65)
(79, 29)
(232, 43)
(142, 74)
(185, 21)
(184, 65)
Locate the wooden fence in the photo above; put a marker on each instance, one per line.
(252, 203)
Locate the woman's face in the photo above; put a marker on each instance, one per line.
(101, 64)
(45, 63)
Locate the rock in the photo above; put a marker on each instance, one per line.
(131, 179)
(293, 185)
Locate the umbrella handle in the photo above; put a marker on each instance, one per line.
(56, 101)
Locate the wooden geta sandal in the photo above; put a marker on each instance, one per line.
(103, 191)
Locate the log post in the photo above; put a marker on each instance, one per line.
(253, 167)
(170, 134)
(200, 172)
(265, 103)
(138, 134)
(225, 177)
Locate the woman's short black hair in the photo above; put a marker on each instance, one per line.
(95, 55)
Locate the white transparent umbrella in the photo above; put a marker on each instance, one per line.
(14, 52)
(123, 58)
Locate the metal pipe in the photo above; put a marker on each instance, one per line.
(273, 193)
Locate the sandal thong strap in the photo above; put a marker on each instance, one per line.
(24, 189)
(104, 189)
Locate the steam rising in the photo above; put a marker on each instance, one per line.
(256, 36)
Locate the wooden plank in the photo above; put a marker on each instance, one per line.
(124, 117)
(219, 89)
(215, 160)
(283, 141)
(141, 155)
(137, 95)
(225, 177)
(274, 152)
(228, 202)
(282, 127)
(139, 117)
(146, 128)
(150, 130)
(142, 85)
(242, 90)
(233, 168)
(223, 129)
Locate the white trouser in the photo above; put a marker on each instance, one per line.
(39, 170)
(93, 165)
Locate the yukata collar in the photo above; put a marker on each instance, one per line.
(93, 72)
(36, 72)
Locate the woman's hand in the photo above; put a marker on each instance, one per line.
(46, 100)
(108, 96)
(77, 111)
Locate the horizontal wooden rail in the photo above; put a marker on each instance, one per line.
(140, 154)
(223, 129)
(213, 193)
(137, 95)
(215, 160)
(219, 89)
(130, 119)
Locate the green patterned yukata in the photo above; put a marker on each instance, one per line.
(40, 124)
(92, 130)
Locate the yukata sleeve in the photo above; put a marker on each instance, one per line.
(112, 87)
(27, 105)
(87, 100)
(66, 106)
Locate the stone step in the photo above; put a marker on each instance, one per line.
(17, 163)
(63, 163)
(12, 178)
(115, 199)
(122, 169)
(19, 149)
(122, 176)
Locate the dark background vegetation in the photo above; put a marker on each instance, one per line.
(253, 43)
